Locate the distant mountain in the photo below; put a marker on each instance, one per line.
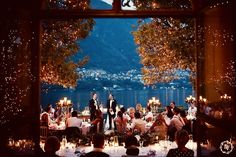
(99, 4)
(110, 45)
(114, 62)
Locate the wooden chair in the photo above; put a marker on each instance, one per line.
(43, 133)
(72, 133)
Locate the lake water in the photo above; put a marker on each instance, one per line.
(126, 98)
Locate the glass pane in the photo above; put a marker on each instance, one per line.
(155, 4)
(128, 5)
(125, 4)
(101, 4)
(79, 4)
(124, 42)
(67, 4)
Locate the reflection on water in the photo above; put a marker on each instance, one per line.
(124, 97)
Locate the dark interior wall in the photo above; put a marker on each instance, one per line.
(218, 51)
(216, 47)
(18, 75)
(16, 64)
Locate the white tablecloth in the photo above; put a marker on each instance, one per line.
(161, 149)
(85, 127)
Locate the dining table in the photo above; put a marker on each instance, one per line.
(55, 129)
(159, 149)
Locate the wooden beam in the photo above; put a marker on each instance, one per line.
(35, 68)
(75, 14)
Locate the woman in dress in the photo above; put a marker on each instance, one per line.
(181, 138)
(160, 127)
(97, 123)
(121, 122)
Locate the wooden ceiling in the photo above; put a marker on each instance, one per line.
(11, 8)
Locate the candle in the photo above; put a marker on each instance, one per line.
(17, 144)
(226, 97)
(200, 97)
(61, 102)
(65, 99)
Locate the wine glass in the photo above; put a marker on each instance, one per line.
(111, 141)
(141, 143)
(166, 142)
(157, 139)
(190, 138)
(106, 143)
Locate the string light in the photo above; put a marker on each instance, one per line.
(227, 77)
(160, 61)
(165, 47)
(217, 37)
(59, 44)
(157, 4)
(69, 4)
(12, 73)
(219, 4)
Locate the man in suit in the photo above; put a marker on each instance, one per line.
(173, 106)
(93, 106)
(111, 109)
(98, 145)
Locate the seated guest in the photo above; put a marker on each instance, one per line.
(45, 119)
(52, 145)
(131, 113)
(60, 122)
(138, 124)
(187, 122)
(98, 145)
(73, 125)
(149, 118)
(58, 112)
(52, 111)
(192, 111)
(168, 114)
(149, 115)
(160, 127)
(121, 122)
(139, 109)
(173, 106)
(74, 121)
(176, 124)
(131, 145)
(97, 123)
(125, 114)
(181, 139)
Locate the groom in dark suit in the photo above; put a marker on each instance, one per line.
(111, 109)
(93, 106)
